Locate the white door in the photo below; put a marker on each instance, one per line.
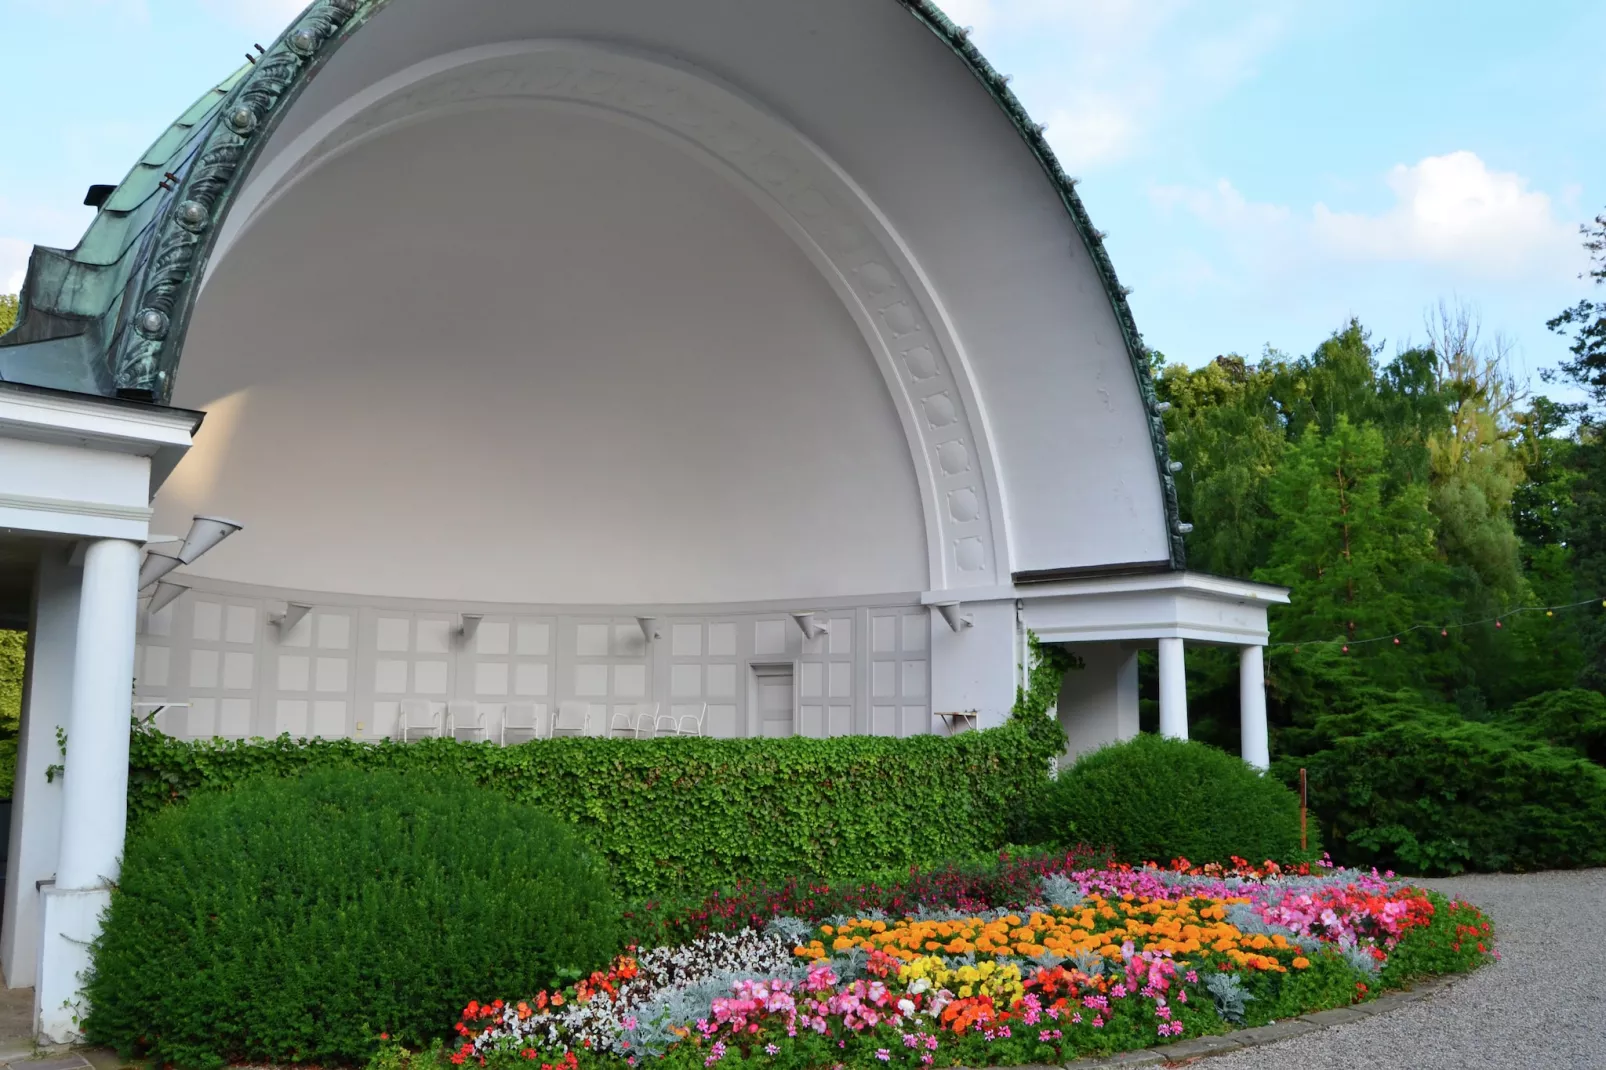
(772, 686)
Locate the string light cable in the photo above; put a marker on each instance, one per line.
(1442, 629)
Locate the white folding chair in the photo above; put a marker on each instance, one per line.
(573, 718)
(622, 722)
(692, 720)
(467, 720)
(519, 719)
(420, 720)
(646, 720)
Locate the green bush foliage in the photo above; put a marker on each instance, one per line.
(1573, 718)
(13, 659)
(685, 814)
(1422, 790)
(294, 920)
(8, 767)
(1156, 799)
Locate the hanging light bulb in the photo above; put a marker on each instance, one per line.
(1444, 632)
(1346, 648)
(1396, 640)
(1550, 613)
(1497, 624)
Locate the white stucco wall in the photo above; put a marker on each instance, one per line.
(517, 355)
(1056, 408)
(1098, 703)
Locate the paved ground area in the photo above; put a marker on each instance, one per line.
(1542, 1006)
(16, 1021)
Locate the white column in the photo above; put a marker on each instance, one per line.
(94, 810)
(1173, 690)
(1252, 707)
(36, 803)
(95, 786)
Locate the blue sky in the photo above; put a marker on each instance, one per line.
(1264, 168)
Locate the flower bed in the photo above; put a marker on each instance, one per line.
(1005, 881)
(1101, 960)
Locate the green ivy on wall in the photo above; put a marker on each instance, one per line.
(684, 814)
(689, 814)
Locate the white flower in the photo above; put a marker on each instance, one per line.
(906, 1006)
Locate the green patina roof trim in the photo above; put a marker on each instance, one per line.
(111, 315)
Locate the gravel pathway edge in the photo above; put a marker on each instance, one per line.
(1272, 1033)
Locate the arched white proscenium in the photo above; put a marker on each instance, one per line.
(793, 180)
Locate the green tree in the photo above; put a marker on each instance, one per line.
(8, 312)
(1586, 321)
(1473, 466)
(1226, 432)
(1357, 551)
(1585, 525)
(1542, 503)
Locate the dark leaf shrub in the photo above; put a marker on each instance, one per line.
(1155, 799)
(1423, 791)
(1573, 718)
(295, 920)
(1008, 880)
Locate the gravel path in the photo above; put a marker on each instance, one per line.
(1542, 1005)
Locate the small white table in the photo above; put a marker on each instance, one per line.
(958, 722)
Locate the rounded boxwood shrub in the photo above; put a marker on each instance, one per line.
(294, 920)
(1152, 799)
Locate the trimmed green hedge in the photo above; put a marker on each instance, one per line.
(1152, 799)
(687, 814)
(295, 920)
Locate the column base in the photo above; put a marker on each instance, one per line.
(70, 921)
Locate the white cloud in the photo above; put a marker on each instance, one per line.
(137, 10)
(1451, 209)
(1450, 212)
(265, 16)
(1109, 75)
(1093, 128)
(13, 264)
(977, 14)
